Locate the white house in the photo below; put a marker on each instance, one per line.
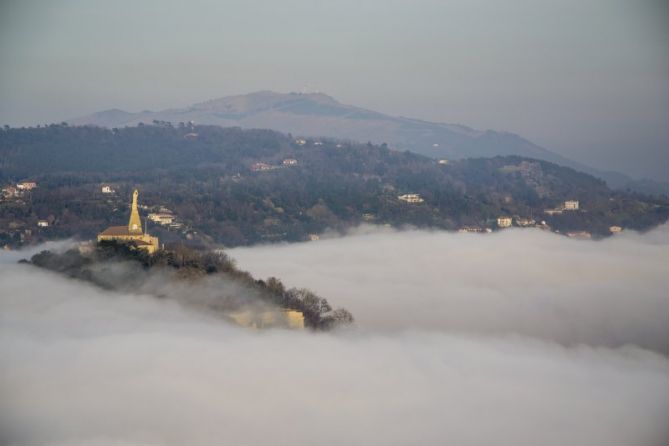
(261, 167)
(570, 205)
(43, 223)
(290, 162)
(107, 189)
(504, 222)
(26, 185)
(162, 218)
(525, 222)
(411, 198)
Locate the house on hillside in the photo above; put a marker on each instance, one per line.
(26, 185)
(504, 222)
(570, 205)
(410, 198)
(261, 167)
(9, 191)
(161, 218)
(525, 222)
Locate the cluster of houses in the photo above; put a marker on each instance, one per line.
(162, 216)
(165, 217)
(302, 142)
(567, 206)
(263, 167)
(17, 191)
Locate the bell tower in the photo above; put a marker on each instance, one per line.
(135, 224)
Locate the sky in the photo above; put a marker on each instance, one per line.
(559, 342)
(587, 79)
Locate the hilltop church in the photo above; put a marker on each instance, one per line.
(132, 233)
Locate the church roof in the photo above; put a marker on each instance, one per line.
(116, 230)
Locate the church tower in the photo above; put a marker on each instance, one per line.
(135, 224)
(132, 233)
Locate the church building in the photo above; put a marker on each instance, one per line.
(132, 233)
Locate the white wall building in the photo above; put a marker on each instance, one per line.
(26, 185)
(410, 198)
(570, 205)
(161, 218)
(504, 222)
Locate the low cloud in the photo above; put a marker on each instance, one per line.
(82, 366)
(515, 282)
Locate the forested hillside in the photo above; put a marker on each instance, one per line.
(234, 186)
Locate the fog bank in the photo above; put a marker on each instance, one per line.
(82, 366)
(527, 282)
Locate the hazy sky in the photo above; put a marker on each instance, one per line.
(588, 79)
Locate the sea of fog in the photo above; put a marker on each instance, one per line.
(514, 338)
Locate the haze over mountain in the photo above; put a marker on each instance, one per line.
(319, 115)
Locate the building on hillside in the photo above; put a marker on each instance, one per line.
(615, 229)
(504, 222)
(43, 223)
(132, 233)
(9, 192)
(410, 198)
(443, 161)
(290, 162)
(314, 237)
(106, 189)
(260, 167)
(26, 185)
(525, 222)
(570, 205)
(300, 141)
(162, 218)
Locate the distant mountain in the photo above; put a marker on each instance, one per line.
(319, 115)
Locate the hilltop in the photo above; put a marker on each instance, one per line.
(235, 187)
(207, 281)
(319, 115)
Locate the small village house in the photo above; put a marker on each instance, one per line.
(411, 198)
(26, 185)
(570, 205)
(504, 222)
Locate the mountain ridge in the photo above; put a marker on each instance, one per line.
(321, 115)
